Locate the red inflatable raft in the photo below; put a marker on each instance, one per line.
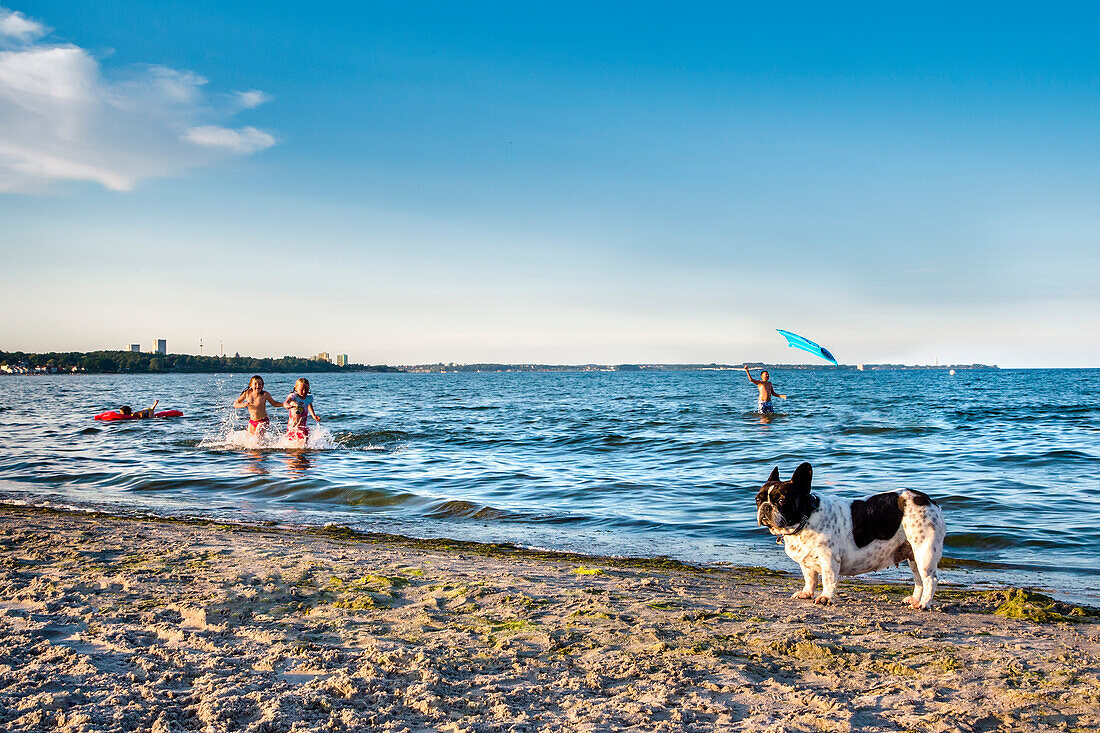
(112, 415)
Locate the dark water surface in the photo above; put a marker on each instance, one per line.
(612, 463)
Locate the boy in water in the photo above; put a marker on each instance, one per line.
(256, 399)
(298, 402)
(128, 412)
(767, 391)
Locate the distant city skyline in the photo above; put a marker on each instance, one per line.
(160, 346)
(506, 183)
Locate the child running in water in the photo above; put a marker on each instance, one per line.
(256, 399)
(298, 402)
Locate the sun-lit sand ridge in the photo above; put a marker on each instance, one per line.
(122, 625)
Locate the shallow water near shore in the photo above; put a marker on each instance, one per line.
(618, 463)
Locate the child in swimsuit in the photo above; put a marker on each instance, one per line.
(256, 399)
(299, 402)
(767, 391)
(128, 412)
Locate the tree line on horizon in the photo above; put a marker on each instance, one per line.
(138, 362)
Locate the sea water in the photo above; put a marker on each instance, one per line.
(617, 463)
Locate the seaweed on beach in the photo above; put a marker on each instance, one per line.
(1026, 604)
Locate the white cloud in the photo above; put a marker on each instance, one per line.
(245, 140)
(251, 98)
(16, 26)
(64, 118)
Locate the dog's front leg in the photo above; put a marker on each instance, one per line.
(810, 575)
(830, 569)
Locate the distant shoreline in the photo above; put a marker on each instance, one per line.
(438, 368)
(127, 362)
(132, 362)
(137, 362)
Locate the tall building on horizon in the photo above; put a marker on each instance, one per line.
(135, 348)
(341, 360)
(162, 346)
(323, 356)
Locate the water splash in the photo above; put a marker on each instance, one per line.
(231, 433)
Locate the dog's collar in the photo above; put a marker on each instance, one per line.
(801, 526)
(814, 504)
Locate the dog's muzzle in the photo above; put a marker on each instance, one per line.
(769, 516)
(765, 514)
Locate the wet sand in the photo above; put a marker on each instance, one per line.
(111, 624)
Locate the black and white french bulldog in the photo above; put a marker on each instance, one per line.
(831, 537)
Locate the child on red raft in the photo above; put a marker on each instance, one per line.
(299, 402)
(140, 414)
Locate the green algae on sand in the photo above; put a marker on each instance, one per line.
(1026, 604)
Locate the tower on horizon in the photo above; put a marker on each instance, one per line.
(162, 347)
(135, 348)
(342, 360)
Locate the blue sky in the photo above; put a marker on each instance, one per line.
(414, 182)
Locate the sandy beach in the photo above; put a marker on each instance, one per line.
(111, 624)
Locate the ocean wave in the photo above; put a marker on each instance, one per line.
(902, 431)
(1045, 458)
(372, 439)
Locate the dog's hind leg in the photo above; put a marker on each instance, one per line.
(918, 584)
(905, 554)
(925, 562)
(924, 529)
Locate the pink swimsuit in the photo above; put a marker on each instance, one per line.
(296, 428)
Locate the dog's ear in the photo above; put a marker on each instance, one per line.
(803, 475)
(774, 478)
